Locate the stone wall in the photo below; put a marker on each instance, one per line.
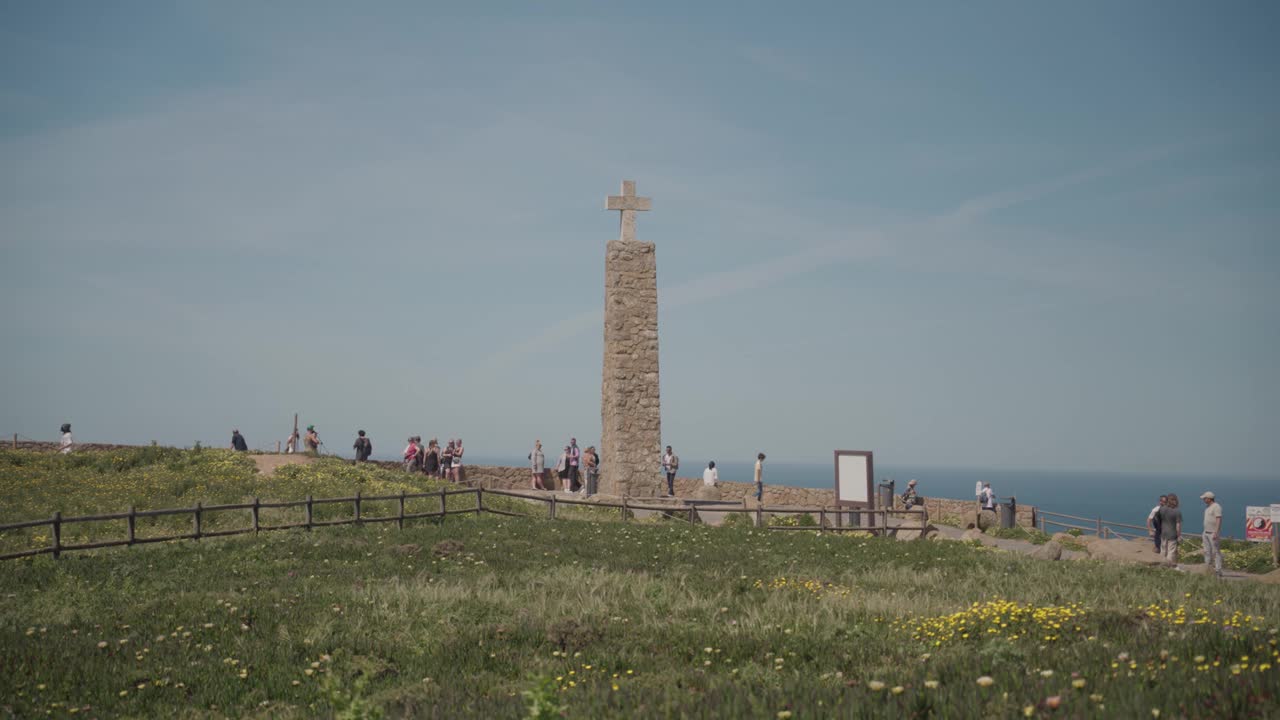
(510, 478)
(630, 414)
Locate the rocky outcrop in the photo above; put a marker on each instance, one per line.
(1048, 551)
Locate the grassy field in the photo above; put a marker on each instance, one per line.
(502, 617)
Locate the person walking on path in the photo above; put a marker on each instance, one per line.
(410, 455)
(591, 470)
(312, 440)
(562, 469)
(759, 477)
(363, 447)
(1212, 532)
(1153, 523)
(711, 476)
(237, 441)
(537, 466)
(291, 445)
(1170, 531)
(670, 465)
(988, 497)
(64, 445)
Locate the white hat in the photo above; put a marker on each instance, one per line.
(1207, 495)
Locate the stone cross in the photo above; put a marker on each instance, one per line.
(628, 203)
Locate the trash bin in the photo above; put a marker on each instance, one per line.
(886, 494)
(1008, 514)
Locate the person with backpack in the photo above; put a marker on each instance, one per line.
(312, 440)
(1170, 529)
(237, 441)
(911, 498)
(363, 447)
(1153, 523)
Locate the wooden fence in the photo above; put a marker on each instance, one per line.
(829, 519)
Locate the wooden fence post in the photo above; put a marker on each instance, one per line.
(57, 533)
(1099, 527)
(822, 519)
(479, 501)
(553, 507)
(133, 520)
(400, 518)
(308, 513)
(1275, 543)
(15, 441)
(444, 510)
(759, 516)
(690, 514)
(198, 519)
(624, 507)
(255, 515)
(357, 504)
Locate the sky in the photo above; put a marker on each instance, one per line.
(998, 235)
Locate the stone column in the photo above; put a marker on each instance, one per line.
(630, 414)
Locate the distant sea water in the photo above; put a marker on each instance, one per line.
(1118, 497)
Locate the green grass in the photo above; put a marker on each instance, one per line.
(490, 617)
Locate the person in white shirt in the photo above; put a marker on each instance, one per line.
(711, 476)
(988, 497)
(64, 446)
(1212, 532)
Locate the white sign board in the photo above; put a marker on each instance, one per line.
(1275, 513)
(854, 478)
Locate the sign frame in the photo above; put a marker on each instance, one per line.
(870, 502)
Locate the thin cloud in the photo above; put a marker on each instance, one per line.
(859, 245)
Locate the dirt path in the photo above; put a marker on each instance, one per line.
(267, 464)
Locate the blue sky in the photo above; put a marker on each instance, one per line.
(1000, 235)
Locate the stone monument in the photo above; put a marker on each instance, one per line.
(630, 412)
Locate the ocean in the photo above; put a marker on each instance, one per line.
(1118, 497)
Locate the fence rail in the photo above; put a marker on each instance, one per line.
(828, 519)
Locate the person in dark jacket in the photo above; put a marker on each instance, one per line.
(363, 447)
(237, 441)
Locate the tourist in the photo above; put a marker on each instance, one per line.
(575, 461)
(237, 441)
(537, 466)
(455, 468)
(1170, 529)
(312, 440)
(591, 467)
(670, 465)
(291, 445)
(421, 461)
(759, 477)
(988, 497)
(562, 469)
(446, 459)
(910, 498)
(431, 462)
(363, 447)
(64, 446)
(410, 455)
(1212, 532)
(1153, 523)
(711, 476)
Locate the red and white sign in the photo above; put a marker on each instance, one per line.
(1257, 524)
